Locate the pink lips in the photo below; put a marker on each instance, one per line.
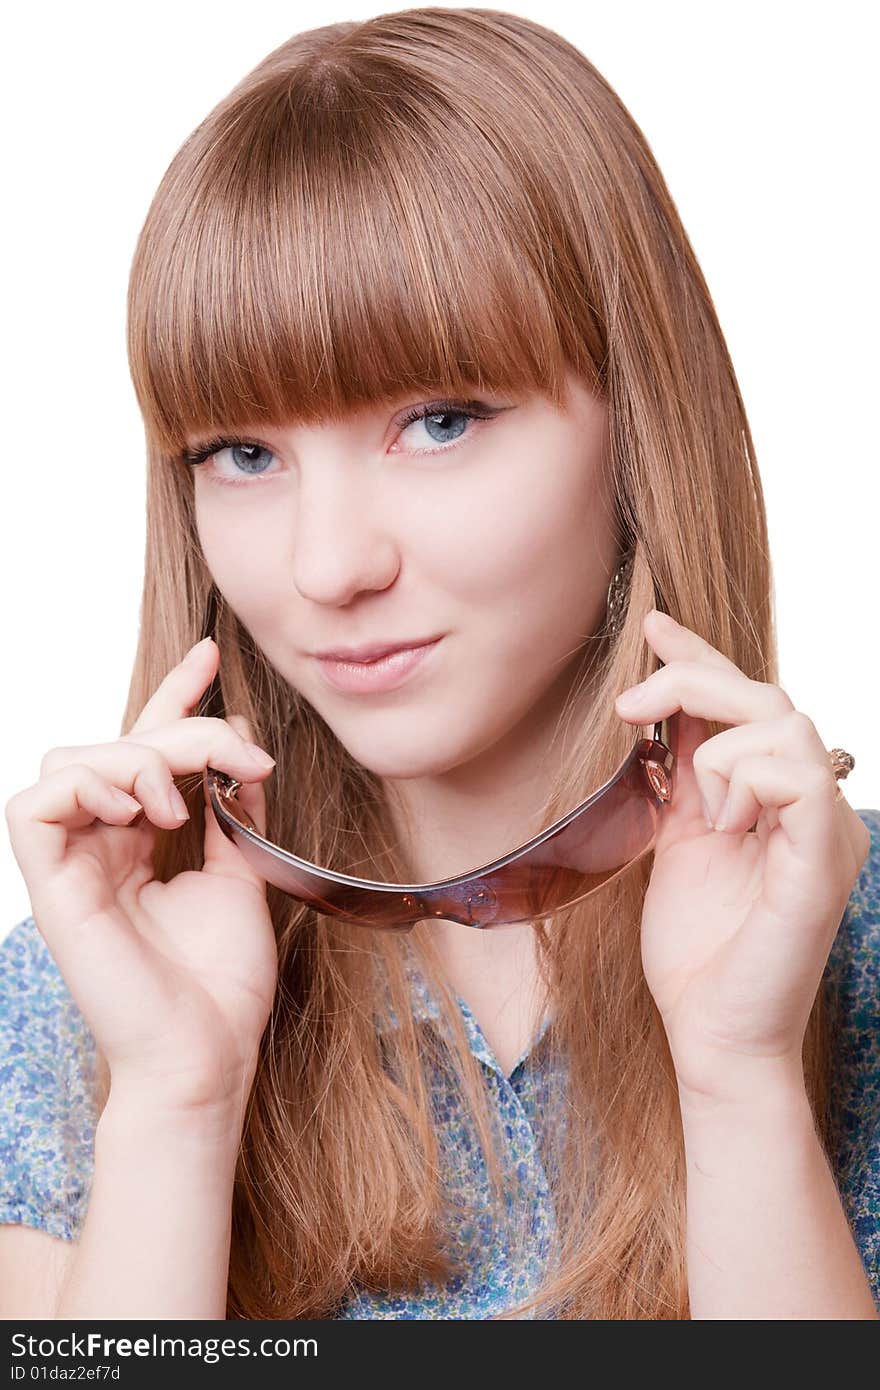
(374, 677)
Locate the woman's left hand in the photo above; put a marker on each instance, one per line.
(737, 927)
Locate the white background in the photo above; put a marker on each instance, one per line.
(761, 117)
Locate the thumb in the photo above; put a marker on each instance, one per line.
(685, 814)
(222, 855)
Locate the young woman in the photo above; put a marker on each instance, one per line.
(425, 359)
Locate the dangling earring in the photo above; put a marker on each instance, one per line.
(618, 595)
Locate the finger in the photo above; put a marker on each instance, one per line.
(806, 882)
(251, 796)
(792, 736)
(685, 811)
(222, 855)
(182, 688)
(758, 785)
(40, 817)
(706, 691)
(795, 737)
(671, 640)
(74, 906)
(146, 764)
(802, 793)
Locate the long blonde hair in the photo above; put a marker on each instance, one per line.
(442, 198)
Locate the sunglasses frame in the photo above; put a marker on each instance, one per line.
(644, 782)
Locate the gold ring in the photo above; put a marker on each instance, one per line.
(842, 764)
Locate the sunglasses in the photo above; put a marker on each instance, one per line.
(562, 865)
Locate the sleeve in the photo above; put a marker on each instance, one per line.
(47, 1070)
(853, 973)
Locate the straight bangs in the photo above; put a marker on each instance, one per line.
(314, 248)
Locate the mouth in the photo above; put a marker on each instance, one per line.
(378, 675)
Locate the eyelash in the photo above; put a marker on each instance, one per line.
(471, 410)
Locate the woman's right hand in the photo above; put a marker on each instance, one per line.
(175, 980)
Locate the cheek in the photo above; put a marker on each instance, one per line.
(244, 558)
(529, 561)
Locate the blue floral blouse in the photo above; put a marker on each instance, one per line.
(47, 1119)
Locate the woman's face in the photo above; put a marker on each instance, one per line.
(496, 533)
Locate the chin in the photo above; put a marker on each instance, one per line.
(402, 767)
(400, 760)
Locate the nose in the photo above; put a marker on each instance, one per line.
(342, 542)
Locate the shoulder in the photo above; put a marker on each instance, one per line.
(852, 979)
(47, 1073)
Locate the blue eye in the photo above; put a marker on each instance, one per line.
(443, 419)
(444, 427)
(244, 456)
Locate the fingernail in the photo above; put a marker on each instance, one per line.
(178, 805)
(195, 652)
(259, 756)
(724, 815)
(632, 696)
(123, 799)
(707, 814)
